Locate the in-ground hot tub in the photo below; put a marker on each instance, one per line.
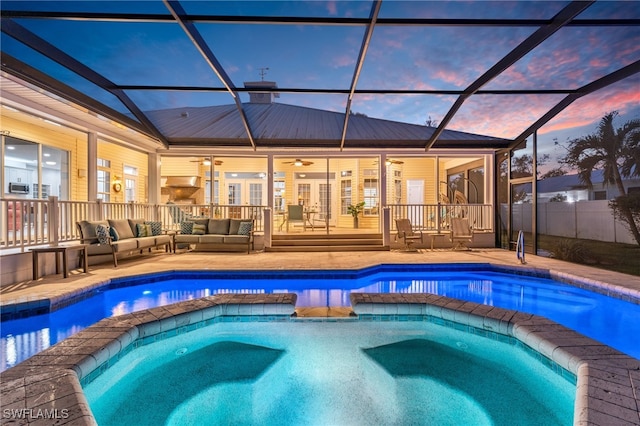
(351, 372)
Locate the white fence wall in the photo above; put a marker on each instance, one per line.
(590, 220)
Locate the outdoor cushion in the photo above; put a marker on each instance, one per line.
(143, 230)
(219, 226)
(133, 223)
(122, 227)
(163, 239)
(156, 227)
(236, 239)
(186, 228)
(234, 225)
(201, 221)
(144, 242)
(245, 228)
(211, 238)
(102, 232)
(88, 230)
(98, 249)
(199, 229)
(125, 245)
(189, 239)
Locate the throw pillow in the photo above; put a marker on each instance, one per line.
(149, 230)
(114, 234)
(245, 228)
(102, 232)
(186, 228)
(199, 229)
(156, 227)
(142, 230)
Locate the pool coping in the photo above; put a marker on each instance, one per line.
(607, 381)
(21, 308)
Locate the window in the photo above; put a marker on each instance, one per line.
(370, 189)
(207, 188)
(278, 195)
(304, 194)
(345, 195)
(130, 183)
(599, 195)
(104, 191)
(44, 176)
(476, 186)
(104, 180)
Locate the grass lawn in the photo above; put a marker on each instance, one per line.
(612, 256)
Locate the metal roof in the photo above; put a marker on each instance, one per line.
(141, 62)
(284, 125)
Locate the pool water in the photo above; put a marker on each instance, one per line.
(342, 373)
(606, 319)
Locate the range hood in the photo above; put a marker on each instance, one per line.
(182, 187)
(183, 182)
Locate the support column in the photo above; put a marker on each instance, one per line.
(92, 166)
(153, 188)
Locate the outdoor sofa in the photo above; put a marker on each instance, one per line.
(122, 236)
(216, 234)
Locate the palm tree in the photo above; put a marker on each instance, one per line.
(615, 152)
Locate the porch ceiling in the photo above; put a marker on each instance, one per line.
(351, 74)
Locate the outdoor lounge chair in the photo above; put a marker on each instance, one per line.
(461, 233)
(177, 214)
(407, 233)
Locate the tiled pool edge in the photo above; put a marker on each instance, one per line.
(24, 307)
(51, 380)
(608, 381)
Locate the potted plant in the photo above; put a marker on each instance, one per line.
(354, 210)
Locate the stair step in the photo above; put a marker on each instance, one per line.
(327, 242)
(289, 237)
(332, 248)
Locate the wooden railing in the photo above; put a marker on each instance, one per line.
(27, 223)
(436, 217)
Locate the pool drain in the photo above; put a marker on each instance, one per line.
(462, 345)
(181, 351)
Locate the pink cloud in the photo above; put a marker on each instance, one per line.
(344, 60)
(590, 109)
(332, 8)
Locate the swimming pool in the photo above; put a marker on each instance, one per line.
(606, 319)
(348, 372)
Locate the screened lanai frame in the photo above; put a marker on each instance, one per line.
(534, 31)
(531, 31)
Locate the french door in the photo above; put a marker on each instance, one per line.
(246, 192)
(318, 196)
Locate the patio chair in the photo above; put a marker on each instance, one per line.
(295, 213)
(177, 214)
(461, 233)
(407, 233)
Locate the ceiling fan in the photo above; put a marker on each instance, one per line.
(298, 162)
(390, 161)
(207, 161)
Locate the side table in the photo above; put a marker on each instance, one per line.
(433, 237)
(57, 251)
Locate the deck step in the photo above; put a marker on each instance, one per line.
(334, 248)
(325, 243)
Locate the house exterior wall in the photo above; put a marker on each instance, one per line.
(65, 139)
(120, 156)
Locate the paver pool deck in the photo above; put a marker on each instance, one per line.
(608, 382)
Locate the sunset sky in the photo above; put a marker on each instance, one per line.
(324, 57)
